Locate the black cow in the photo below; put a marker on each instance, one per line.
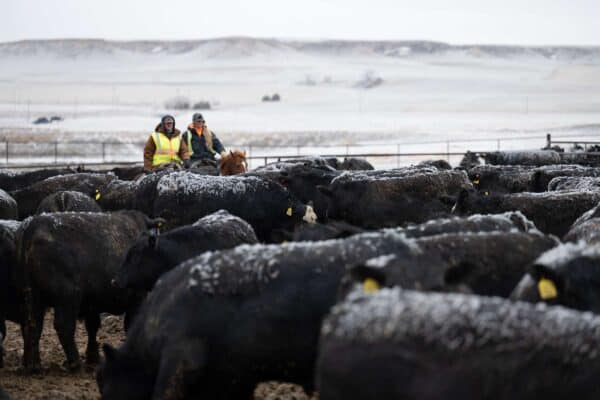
(388, 198)
(541, 177)
(578, 183)
(489, 263)
(355, 164)
(586, 227)
(439, 164)
(8, 206)
(10, 180)
(568, 275)
(151, 256)
(67, 261)
(469, 160)
(129, 173)
(536, 158)
(118, 195)
(145, 191)
(303, 180)
(505, 222)
(401, 344)
(9, 302)
(183, 197)
(551, 212)
(311, 161)
(29, 198)
(501, 178)
(233, 318)
(67, 200)
(322, 231)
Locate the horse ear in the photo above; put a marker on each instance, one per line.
(244, 153)
(231, 153)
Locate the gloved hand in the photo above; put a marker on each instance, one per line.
(187, 163)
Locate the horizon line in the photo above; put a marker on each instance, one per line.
(291, 39)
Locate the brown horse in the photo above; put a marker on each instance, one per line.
(233, 163)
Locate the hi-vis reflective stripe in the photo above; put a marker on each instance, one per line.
(167, 150)
(189, 142)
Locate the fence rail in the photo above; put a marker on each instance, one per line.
(97, 153)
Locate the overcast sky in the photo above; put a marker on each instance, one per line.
(453, 21)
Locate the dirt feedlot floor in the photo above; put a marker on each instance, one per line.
(55, 383)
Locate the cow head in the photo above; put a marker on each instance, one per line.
(143, 264)
(120, 378)
(573, 282)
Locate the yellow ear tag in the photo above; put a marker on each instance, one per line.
(289, 212)
(486, 193)
(370, 285)
(547, 289)
(97, 195)
(476, 182)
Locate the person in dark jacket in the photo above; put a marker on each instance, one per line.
(201, 142)
(165, 146)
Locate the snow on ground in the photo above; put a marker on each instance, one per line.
(438, 96)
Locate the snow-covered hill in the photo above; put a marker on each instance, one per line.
(226, 48)
(338, 91)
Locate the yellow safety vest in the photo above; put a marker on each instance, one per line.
(167, 150)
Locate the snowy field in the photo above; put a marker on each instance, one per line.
(455, 94)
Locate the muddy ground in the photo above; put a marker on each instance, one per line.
(55, 383)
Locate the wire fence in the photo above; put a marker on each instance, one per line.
(381, 155)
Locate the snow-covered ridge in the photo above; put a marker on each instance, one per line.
(246, 47)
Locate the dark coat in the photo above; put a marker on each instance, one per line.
(199, 148)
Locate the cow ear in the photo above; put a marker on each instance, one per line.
(549, 283)
(244, 153)
(325, 190)
(371, 278)
(538, 271)
(110, 353)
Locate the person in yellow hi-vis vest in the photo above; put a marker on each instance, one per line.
(165, 146)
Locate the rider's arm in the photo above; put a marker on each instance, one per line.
(149, 150)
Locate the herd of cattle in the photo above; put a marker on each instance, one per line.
(413, 283)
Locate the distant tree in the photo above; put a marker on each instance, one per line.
(178, 103)
(42, 120)
(275, 97)
(202, 105)
(266, 98)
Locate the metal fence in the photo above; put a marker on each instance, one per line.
(381, 155)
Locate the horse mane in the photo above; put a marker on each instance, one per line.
(233, 162)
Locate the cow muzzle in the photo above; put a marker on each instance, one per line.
(310, 216)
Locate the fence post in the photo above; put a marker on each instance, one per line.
(103, 152)
(6, 147)
(448, 150)
(398, 155)
(347, 151)
(265, 161)
(55, 152)
(498, 147)
(548, 140)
